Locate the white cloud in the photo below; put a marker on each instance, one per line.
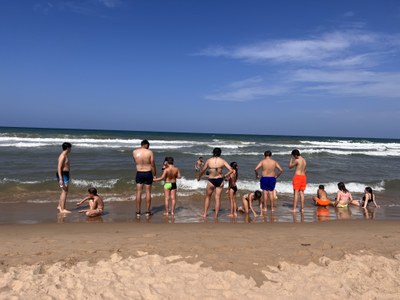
(339, 63)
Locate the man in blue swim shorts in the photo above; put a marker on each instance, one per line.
(268, 179)
(146, 171)
(62, 174)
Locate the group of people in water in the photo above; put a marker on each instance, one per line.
(214, 169)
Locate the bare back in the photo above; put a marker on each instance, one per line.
(63, 162)
(144, 159)
(268, 167)
(300, 164)
(215, 166)
(172, 173)
(99, 204)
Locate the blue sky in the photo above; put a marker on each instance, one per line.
(325, 68)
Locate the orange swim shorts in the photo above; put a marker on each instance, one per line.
(299, 182)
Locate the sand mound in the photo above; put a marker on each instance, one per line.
(156, 277)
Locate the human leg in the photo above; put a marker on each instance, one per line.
(209, 191)
(218, 192)
(148, 198)
(173, 202)
(167, 194)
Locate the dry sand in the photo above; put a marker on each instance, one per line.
(333, 260)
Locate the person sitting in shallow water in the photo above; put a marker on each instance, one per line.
(248, 202)
(343, 197)
(368, 197)
(96, 204)
(322, 197)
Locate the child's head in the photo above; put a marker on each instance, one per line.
(321, 187)
(296, 153)
(368, 190)
(92, 191)
(66, 146)
(169, 160)
(234, 165)
(257, 195)
(267, 153)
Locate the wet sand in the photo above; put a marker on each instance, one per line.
(351, 258)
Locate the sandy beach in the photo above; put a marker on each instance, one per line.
(338, 259)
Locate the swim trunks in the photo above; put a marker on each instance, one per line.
(144, 177)
(216, 181)
(323, 202)
(65, 176)
(299, 182)
(267, 183)
(170, 186)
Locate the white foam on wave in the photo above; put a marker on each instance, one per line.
(10, 180)
(103, 183)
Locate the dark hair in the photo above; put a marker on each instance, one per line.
(342, 187)
(234, 166)
(321, 187)
(66, 145)
(257, 195)
(217, 152)
(369, 190)
(145, 142)
(296, 152)
(267, 153)
(92, 191)
(169, 160)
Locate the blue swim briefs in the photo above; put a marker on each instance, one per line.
(267, 183)
(144, 178)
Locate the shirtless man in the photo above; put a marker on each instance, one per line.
(299, 178)
(170, 174)
(215, 182)
(199, 164)
(268, 179)
(145, 172)
(96, 204)
(63, 169)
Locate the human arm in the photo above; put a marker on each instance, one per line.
(256, 169)
(203, 170)
(293, 162)
(60, 165)
(230, 170)
(280, 170)
(251, 206)
(153, 165)
(84, 200)
(164, 174)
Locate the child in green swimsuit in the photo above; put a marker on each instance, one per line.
(170, 174)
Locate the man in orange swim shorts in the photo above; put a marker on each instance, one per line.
(299, 178)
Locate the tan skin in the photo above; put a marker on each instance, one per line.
(170, 174)
(63, 165)
(232, 182)
(215, 165)
(144, 160)
(248, 203)
(96, 205)
(321, 194)
(300, 165)
(270, 168)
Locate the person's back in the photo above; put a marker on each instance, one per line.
(172, 173)
(143, 158)
(300, 166)
(268, 167)
(322, 194)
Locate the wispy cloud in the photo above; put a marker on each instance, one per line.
(340, 63)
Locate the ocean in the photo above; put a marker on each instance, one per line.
(103, 158)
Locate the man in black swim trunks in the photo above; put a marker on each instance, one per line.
(145, 172)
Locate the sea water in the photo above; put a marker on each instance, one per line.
(103, 159)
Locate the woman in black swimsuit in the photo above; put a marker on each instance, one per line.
(214, 165)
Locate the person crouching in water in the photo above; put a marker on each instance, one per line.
(248, 202)
(96, 204)
(322, 197)
(170, 174)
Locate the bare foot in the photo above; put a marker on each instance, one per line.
(302, 210)
(293, 210)
(235, 214)
(64, 211)
(172, 213)
(166, 214)
(204, 215)
(264, 209)
(272, 209)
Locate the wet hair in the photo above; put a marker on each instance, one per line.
(169, 160)
(257, 195)
(217, 152)
(267, 153)
(321, 187)
(66, 145)
(234, 166)
(342, 187)
(92, 191)
(296, 152)
(145, 142)
(201, 157)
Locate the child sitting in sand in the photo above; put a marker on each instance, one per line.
(322, 197)
(96, 204)
(248, 202)
(170, 174)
